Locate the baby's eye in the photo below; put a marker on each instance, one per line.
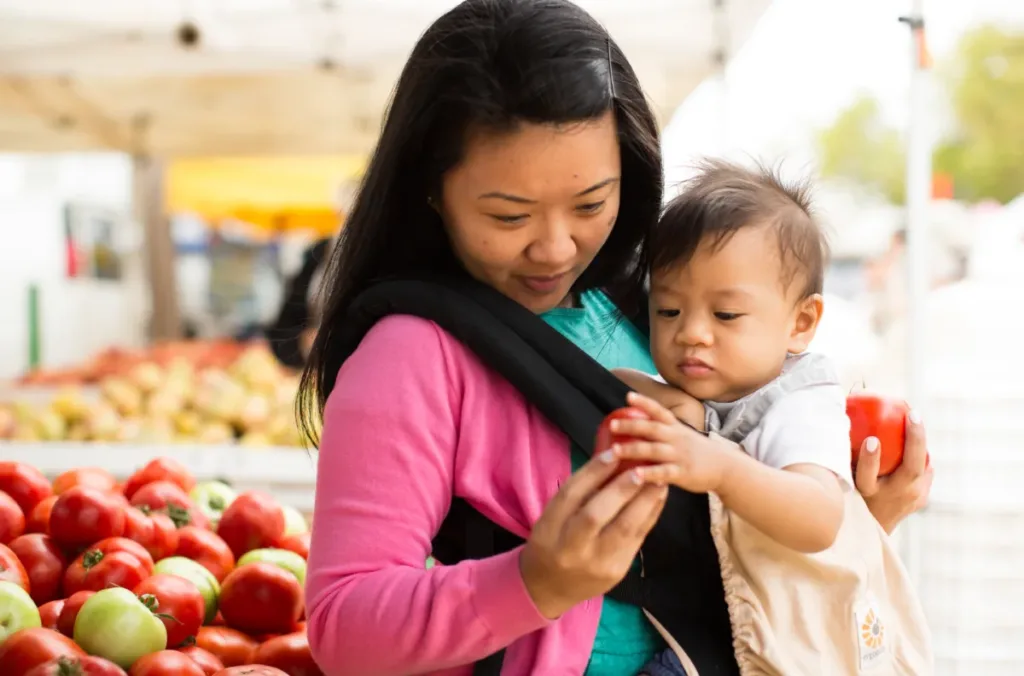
(667, 312)
(727, 316)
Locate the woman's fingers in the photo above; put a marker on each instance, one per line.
(868, 464)
(915, 452)
(580, 486)
(640, 514)
(651, 407)
(603, 507)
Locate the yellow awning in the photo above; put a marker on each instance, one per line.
(276, 193)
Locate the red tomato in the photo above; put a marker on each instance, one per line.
(177, 602)
(872, 415)
(39, 520)
(230, 646)
(82, 516)
(605, 438)
(44, 563)
(261, 598)
(207, 661)
(160, 469)
(253, 521)
(166, 663)
(12, 519)
(11, 569)
(153, 530)
(26, 649)
(207, 549)
(300, 626)
(69, 613)
(24, 483)
(113, 561)
(169, 497)
(90, 477)
(251, 670)
(296, 543)
(77, 666)
(289, 653)
(49, 613)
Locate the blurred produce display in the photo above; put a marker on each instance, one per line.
(195, 393)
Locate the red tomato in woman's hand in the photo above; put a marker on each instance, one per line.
(166, 663)
(251, 670)
(26, 649)
(298, 543)
(207, 661)
(12, 519)
(90, 477)
(49, 613)
(77, 666)
(177, 602)
(153, 530)
(12, 570)
(254, 520)
(207, 549)
(289, 653)
(160, 469)
(24, 483)
(82, 516)
(872, 415)
(111, 562)
(44, 563)
(39, 520)
(605, 439)
(261, 598)
(69, 612)
(230, 646)
(168, 497)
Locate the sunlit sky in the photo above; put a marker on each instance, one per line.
(808, 59)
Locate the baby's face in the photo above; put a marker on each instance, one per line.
(722, 324)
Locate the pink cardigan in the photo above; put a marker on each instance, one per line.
(414, 419)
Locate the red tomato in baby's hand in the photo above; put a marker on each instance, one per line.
(872, 415)
(605, 438)
(44, 563)
(82, 516)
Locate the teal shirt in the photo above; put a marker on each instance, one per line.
(625, 640)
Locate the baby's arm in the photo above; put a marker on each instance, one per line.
(789, 483)
(683, 406)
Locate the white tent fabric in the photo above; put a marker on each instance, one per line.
(272, 76)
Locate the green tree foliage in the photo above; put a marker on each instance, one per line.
(983, 153)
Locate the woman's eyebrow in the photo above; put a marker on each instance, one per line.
(524, 200)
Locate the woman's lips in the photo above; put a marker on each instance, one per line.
(543, 284)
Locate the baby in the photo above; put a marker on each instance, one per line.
(737, 271)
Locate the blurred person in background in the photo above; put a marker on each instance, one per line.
(519, 152)
(292, 333)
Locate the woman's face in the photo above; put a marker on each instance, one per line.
(527, 211)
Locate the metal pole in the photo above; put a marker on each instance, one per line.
(918, 196)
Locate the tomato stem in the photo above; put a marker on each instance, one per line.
(91, 558)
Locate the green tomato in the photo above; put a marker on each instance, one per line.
(294, 522)
(17, 610)
(282, 558)
(116, 625)
(212, 498)
(198, 575)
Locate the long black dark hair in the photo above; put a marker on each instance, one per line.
(489, 64)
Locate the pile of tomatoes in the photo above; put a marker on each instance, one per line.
(157, 576)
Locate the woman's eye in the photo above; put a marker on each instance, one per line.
(667, 313)
(516, 218)
(591, 208)
(727, 316)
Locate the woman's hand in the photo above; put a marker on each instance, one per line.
(895, 497)
(588, 536)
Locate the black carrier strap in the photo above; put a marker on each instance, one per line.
(681, 583)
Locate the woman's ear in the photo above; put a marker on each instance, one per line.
(806, 317)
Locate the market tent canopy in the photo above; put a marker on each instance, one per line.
(274, 193)
(226, 77)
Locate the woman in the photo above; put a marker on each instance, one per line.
(518, 148)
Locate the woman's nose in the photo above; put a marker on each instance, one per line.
(554, 246)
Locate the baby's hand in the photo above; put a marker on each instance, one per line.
(678, 454)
